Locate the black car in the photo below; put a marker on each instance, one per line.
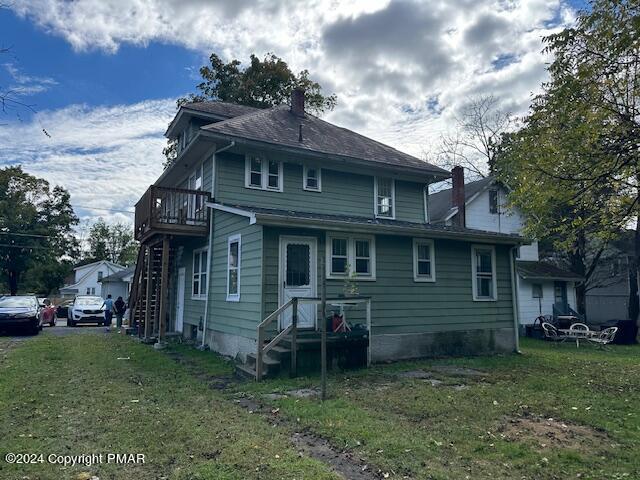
(21, 311)
(62, 310)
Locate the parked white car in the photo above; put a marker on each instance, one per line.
(86, 309)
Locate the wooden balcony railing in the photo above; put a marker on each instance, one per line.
(173, 211)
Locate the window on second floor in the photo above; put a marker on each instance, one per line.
(263, 174)
(384, 197)
(100, 276)
(311, 179)
(425, 194)
(493, 201)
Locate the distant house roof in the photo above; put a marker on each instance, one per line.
(279, 126)
(119, 276)
(440, 202)
(270, 216)
(544, 271)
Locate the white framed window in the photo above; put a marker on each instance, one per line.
(262, 174)
(483, 264)
(493, 201)
(425, 196)
(353, 255)
(195, 182)
(199, 276)
(312, 179)
(234, 252)
(100, 275)
(424, 260)
(384, 197)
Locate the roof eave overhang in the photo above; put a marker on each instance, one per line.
(550, 277)
(430, 175)
(275, 220)
(198, 147)
(177, 124)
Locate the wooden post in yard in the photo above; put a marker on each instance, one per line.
(147, 298)
(323, 335)
(164, 280)
(294, 334)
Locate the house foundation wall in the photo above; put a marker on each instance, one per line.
(388, 347)
(230, 345)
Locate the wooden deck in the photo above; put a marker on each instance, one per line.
(171, 211)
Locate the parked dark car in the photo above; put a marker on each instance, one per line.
(62, 310)
(20, 311)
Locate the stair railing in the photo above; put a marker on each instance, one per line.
(292, 328)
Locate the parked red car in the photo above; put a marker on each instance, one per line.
(47, 312)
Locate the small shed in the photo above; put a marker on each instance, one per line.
(118, 284)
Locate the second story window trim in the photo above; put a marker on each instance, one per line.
(384, 197)
(312, 179)
(261, 173)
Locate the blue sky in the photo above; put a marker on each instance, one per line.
(103, 75)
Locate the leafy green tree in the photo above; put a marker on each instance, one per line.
(262, 84)
(114, 243)
(36, 225)
(574, 167)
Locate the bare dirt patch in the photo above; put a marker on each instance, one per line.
(343, 462)
(553, 433)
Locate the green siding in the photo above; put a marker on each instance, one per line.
(243, 317)
(400, 305)
(193, 309)
(342, 193)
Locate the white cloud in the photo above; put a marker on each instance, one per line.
(401, 69)
(24, 85)
(106, 156)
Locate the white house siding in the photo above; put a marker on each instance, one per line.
(478, 216)
(86, 277)
(529, 307)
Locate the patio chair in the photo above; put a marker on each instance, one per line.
(605, 337)
(579, 331)
(551, 333)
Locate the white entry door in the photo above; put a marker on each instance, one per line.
(298, 278)
(180, 300)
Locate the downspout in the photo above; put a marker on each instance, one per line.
(210, 248)
(514, 299)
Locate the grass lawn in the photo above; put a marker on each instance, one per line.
(552, 413)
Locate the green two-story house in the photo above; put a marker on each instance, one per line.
(263, 206)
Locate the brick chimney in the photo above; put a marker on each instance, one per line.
(457, 196)
(297, 102)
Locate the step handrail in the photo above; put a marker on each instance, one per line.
(293, 329)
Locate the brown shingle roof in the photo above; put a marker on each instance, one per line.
(543, 270)
(278, 126)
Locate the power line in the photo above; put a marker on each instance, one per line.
(8, 245)
(105, 209)
(26, 235)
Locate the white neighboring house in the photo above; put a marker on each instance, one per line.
(118, 284)
(87, 278)
(541, 285)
